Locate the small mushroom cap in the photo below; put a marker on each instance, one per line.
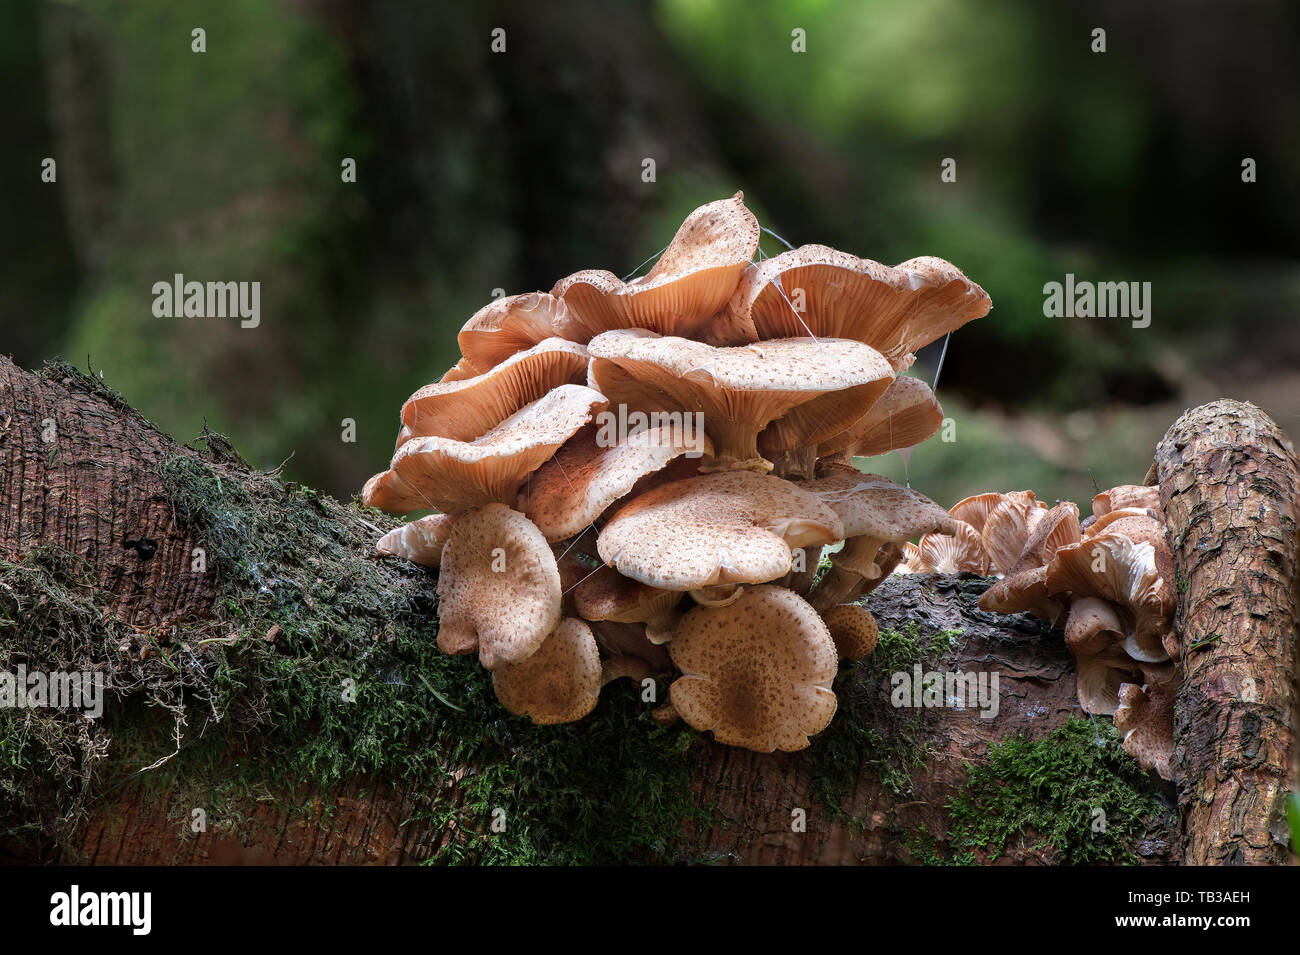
(741, 391)
(1126, 495)
(498, 588)
(732, 527)
(508, 326)
(454, 476)
(469, 408)
(873, 506)
(608, 595)
(1053, 529)
(591, 472)
(1093, 627)
(559, 683)
(1123, 573)
(975, 510)
(906, 414)
(1099, 678)
(692, 280)
(853, 629)
(388, 492)
(757, 673)
(420, 542)
(894, 310)
(953, 553)
(1146, 718)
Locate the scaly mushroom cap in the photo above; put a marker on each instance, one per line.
(420, 542)
(691, 282)
(1126, 495)
(1146, 718)
(906, 414)
(873, 506)
(853, 629)
(608, 595)
(1123, 573)
(508, 326)
(757, 673)
(741, 390)
(732, 527)
(498, 588)
(572, 489)
(467, 409)
(454, 476)
(952, 553)
(894, 310)
(559, 683)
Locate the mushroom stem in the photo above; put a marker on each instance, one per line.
(799, 464)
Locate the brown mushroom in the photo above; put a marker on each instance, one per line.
(498, 588)
(758, 673)
(1146, 718)
(732, 527)
(688, 285)
(608, 595)
(742, 391)
(904, 416)
(507, 326)
(853, 629)
(559, 683)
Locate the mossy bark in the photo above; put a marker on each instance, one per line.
(229, 671)
(1230, 487)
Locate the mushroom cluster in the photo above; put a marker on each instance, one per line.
(1109, 577)
(638, 478)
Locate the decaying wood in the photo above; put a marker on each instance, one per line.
(1231, 491)
(97, 486)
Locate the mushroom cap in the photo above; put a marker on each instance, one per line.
(731, 527)
(873, 506)
(454, 476)
(975, 510)
(1026, 590)
(608, 595)
(743, 390)
(1092, 627)
(467, 409)
(689, 284)
(559, 683)
(1126, 495)
(952, 553)
(498, 587)
(853, 629)
(894, 310)
(1006, 528)
(388, 492)
(1146, 718)
(757, 673)
(1054, 528)
(420, 541)
(904, 416)
(1123, 573)
(507, 326)
(1099, 678)
(584, 478)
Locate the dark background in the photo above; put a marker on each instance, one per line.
(479, 171)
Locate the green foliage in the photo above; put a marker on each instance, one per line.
(1047, 793)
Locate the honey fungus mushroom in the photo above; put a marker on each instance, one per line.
(559, 683)
(756, 673)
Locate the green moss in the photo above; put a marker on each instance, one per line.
(352, 686)
(868, 733)
(1074, 791)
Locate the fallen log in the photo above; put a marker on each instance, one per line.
(276, 697)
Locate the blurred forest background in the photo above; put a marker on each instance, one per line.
(479, 170)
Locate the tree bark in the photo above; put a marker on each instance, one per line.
(1229, 486)
(95, 485)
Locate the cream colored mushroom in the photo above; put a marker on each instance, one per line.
(732, 527)
(758, 673)
(507, 326)
(894, 310)
(498, 588)
(742, 392)
(454, 476)
(559, 683)
(692, 280)
(420, 541)
(906, 414)
(593, 470)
